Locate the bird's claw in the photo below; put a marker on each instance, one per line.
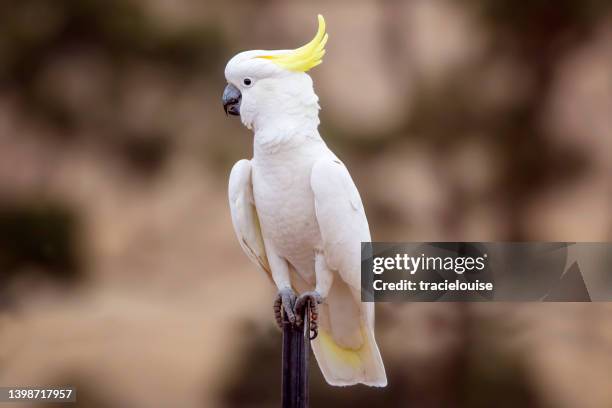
(285, 301)
(312, 299)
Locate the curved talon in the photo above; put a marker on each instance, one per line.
(312, 299)
(314, 328)
(277, 311)
(314, 334)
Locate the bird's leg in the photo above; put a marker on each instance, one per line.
(324, 279)
(285, 300)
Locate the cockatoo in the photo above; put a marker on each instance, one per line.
(296, 211)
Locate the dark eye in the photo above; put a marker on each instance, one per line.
(247, 81)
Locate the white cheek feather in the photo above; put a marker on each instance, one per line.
(248, 110)
(282, 104)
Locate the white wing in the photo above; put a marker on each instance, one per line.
(341, 219)
(345, 349)
(244, 215)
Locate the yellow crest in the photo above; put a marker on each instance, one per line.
(306, 57)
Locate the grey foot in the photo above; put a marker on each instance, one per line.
(285, 301)
(311, 299)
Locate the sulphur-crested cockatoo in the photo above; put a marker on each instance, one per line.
(296, 211)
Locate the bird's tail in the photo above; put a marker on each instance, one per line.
(349, 355)
(343, 366)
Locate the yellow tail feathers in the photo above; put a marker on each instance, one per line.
(342, 366)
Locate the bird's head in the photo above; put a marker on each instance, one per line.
(267, 88)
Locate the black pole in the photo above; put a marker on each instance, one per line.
(304, 358)
(296, 350)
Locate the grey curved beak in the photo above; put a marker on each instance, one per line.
(231, 100)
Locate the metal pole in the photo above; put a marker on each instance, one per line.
(296, 350)
(304, 358)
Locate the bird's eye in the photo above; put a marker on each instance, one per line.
(247, 81)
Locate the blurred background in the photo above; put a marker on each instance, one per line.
(459, 120)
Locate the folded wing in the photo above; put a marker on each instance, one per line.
(244, 215)
(345, 349)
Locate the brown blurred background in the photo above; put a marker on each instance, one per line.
(459, 120)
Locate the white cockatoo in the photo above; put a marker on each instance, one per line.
(296, 211)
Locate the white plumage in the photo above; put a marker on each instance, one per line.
(299, 217)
